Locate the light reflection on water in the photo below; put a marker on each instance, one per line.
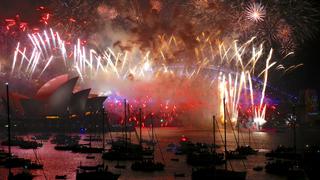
(61, 162)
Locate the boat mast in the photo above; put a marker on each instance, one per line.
(238, 131)
(152, 133)
(125, 122)
(103, 138)
(9, 121)
(140, 126)
(214, 132)
(108, 126)
(129, 122)
(249, 137)
(9, 124)
(225, 133)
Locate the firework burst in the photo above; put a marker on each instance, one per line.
(255, 12)
(235, 64)
(156, 43)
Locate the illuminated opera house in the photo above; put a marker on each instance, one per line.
(58, 102)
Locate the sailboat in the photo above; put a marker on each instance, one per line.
(212, 172)
(96, 172)
(3, 154)
(30, 145)
(86, 149)
(42, 137)
(13, 161)
(124, 149)
(283, 153)
(24, 175)
(23, 144)
(235, 154)
(201, 156)
(279, 167)
(246, 149)
(34, 164)
(89, 149)
(288, 162)
(64, 142)
(289, 153)
(147, 164)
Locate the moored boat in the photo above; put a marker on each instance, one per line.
(25, 175)
(147, 166)
(209, 173)
(98, 172)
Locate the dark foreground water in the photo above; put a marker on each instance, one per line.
(65, 163)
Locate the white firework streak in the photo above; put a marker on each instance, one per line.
(15, 58)
(45, 67)
(232, 89)
(42, 52)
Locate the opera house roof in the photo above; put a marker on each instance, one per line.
(56, 97)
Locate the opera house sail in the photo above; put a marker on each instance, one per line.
(56, 105)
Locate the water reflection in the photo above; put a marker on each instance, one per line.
(65, 163)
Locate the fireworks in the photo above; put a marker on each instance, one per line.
(44, 50)
(198, 48)
(284, 23)
(233, 88)
(255, 12)
(225, 64)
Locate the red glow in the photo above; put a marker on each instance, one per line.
(183, 139)
(35, 30)
(45, 18)
(72, 20)
(23, 26)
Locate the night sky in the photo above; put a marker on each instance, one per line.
(25, 8)
(307, 76)
(308, 53)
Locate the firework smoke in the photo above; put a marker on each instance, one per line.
(184, 54)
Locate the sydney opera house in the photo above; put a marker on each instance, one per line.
(57, 105)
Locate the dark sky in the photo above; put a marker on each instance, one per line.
(25, 8)
(308, 76)
(310, 56)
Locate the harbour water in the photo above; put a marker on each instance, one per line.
(65, 163)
